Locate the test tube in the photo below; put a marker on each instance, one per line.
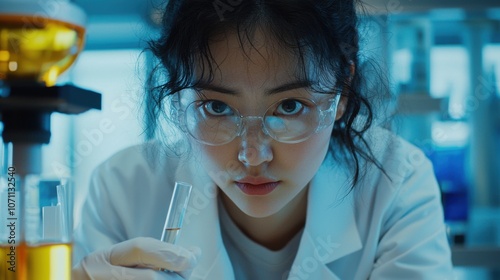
(176, 211)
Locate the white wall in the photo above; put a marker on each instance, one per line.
(96, 135)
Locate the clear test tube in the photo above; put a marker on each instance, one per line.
(176, 211)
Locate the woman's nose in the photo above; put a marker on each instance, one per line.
(255, 146)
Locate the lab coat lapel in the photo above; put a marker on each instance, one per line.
(201, 224)
(330, 232)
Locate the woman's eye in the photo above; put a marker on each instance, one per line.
(289, 107)
(217, 108)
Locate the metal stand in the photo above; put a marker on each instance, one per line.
(25, 112)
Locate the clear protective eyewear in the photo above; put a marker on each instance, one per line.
(289, 120)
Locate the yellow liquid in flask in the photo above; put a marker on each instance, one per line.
(40, 262)
(12, 262)
(37, 49)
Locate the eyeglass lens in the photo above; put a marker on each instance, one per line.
(216, 123)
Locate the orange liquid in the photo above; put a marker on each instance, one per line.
(37, 49)
(171, 235)
(42, 262)
(10, 262)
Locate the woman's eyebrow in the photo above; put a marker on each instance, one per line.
(211, 87)
(284, 87)
(290, 86)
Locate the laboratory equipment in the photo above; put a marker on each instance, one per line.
(176, 212)
(39, 40)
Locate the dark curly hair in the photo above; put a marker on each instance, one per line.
(323, 33)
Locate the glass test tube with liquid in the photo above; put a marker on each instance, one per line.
(176, 211)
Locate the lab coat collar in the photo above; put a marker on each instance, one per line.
(330, 232)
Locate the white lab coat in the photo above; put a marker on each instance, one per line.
(384, 229)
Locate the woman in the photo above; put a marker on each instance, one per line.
(290, 179)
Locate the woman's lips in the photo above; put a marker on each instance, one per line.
(257, 189)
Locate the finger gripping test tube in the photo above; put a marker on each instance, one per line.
(176, 212)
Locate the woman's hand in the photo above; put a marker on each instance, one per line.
(138, 258)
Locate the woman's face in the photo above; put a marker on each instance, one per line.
(258, 174)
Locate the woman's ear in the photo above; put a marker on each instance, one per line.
(343, 99)
(341, 107)
(352, 70)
